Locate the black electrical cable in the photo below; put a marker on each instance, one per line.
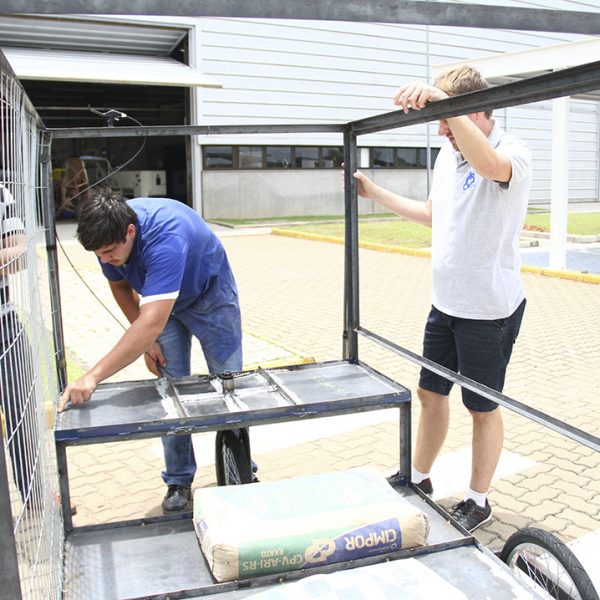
(119, 168)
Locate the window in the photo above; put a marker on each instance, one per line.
(406, 158)
(278, 157)
(218, 157)
(434, 153)
(332, 157)
(250, 157)
(401, 158)
(312, 157)
(307, 158)
(382, 158)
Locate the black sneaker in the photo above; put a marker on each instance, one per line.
(470, 515)
(425, 486)
(176, 499)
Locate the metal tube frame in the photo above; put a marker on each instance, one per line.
(565, 82)
(561, 83)
(552, 423)
(48, 213)
(64, 488)
(351, 287)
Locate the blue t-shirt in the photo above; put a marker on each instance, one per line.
(176, 256)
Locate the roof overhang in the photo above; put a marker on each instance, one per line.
(512, 66)
(127, 69)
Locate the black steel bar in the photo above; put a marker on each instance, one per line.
(10, 583)
(565, 82)
(351, 288)
(219, 422)
(63, 484)
(405, 441)
(177, 130)
(416, 12)
(141, 522)
(52, 257)
(552, 423)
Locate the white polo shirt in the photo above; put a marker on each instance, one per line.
(476, 225)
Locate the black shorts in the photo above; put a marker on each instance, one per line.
(477, 349)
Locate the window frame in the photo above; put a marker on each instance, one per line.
(421, 157)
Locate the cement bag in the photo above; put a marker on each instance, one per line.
(278, 526)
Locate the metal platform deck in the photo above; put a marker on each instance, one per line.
(163, 559)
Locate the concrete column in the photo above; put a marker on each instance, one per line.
(559, 199)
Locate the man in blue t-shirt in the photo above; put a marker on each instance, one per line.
(171, 278)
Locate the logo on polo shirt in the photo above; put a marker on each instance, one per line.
(469, 181)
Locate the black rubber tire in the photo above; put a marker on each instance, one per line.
(232, 464)
(555, 561)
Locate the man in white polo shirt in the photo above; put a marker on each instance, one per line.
(476, 209)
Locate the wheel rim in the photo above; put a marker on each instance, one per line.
(232, 474)
(541, 571)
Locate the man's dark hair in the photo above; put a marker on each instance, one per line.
(103, 220)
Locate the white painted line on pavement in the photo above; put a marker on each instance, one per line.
(452, 471)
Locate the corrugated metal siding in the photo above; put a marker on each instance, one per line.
(584, 153)
(314, 72)
(300, 71)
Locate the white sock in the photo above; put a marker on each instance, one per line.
(479, 498)
(417, 476)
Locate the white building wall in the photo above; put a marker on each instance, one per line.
(295, 192)
(276, 71)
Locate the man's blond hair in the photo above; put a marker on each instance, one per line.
(462, 80)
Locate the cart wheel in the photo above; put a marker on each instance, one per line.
(543, 562)
(231, 459)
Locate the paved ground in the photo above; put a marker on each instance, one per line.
(291, 294)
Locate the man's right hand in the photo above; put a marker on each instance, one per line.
(78, 392)
(417, 95)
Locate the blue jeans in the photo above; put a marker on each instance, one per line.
(17, 401)
(477, 349)
(176, 343)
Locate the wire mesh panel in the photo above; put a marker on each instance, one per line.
(30, 523)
